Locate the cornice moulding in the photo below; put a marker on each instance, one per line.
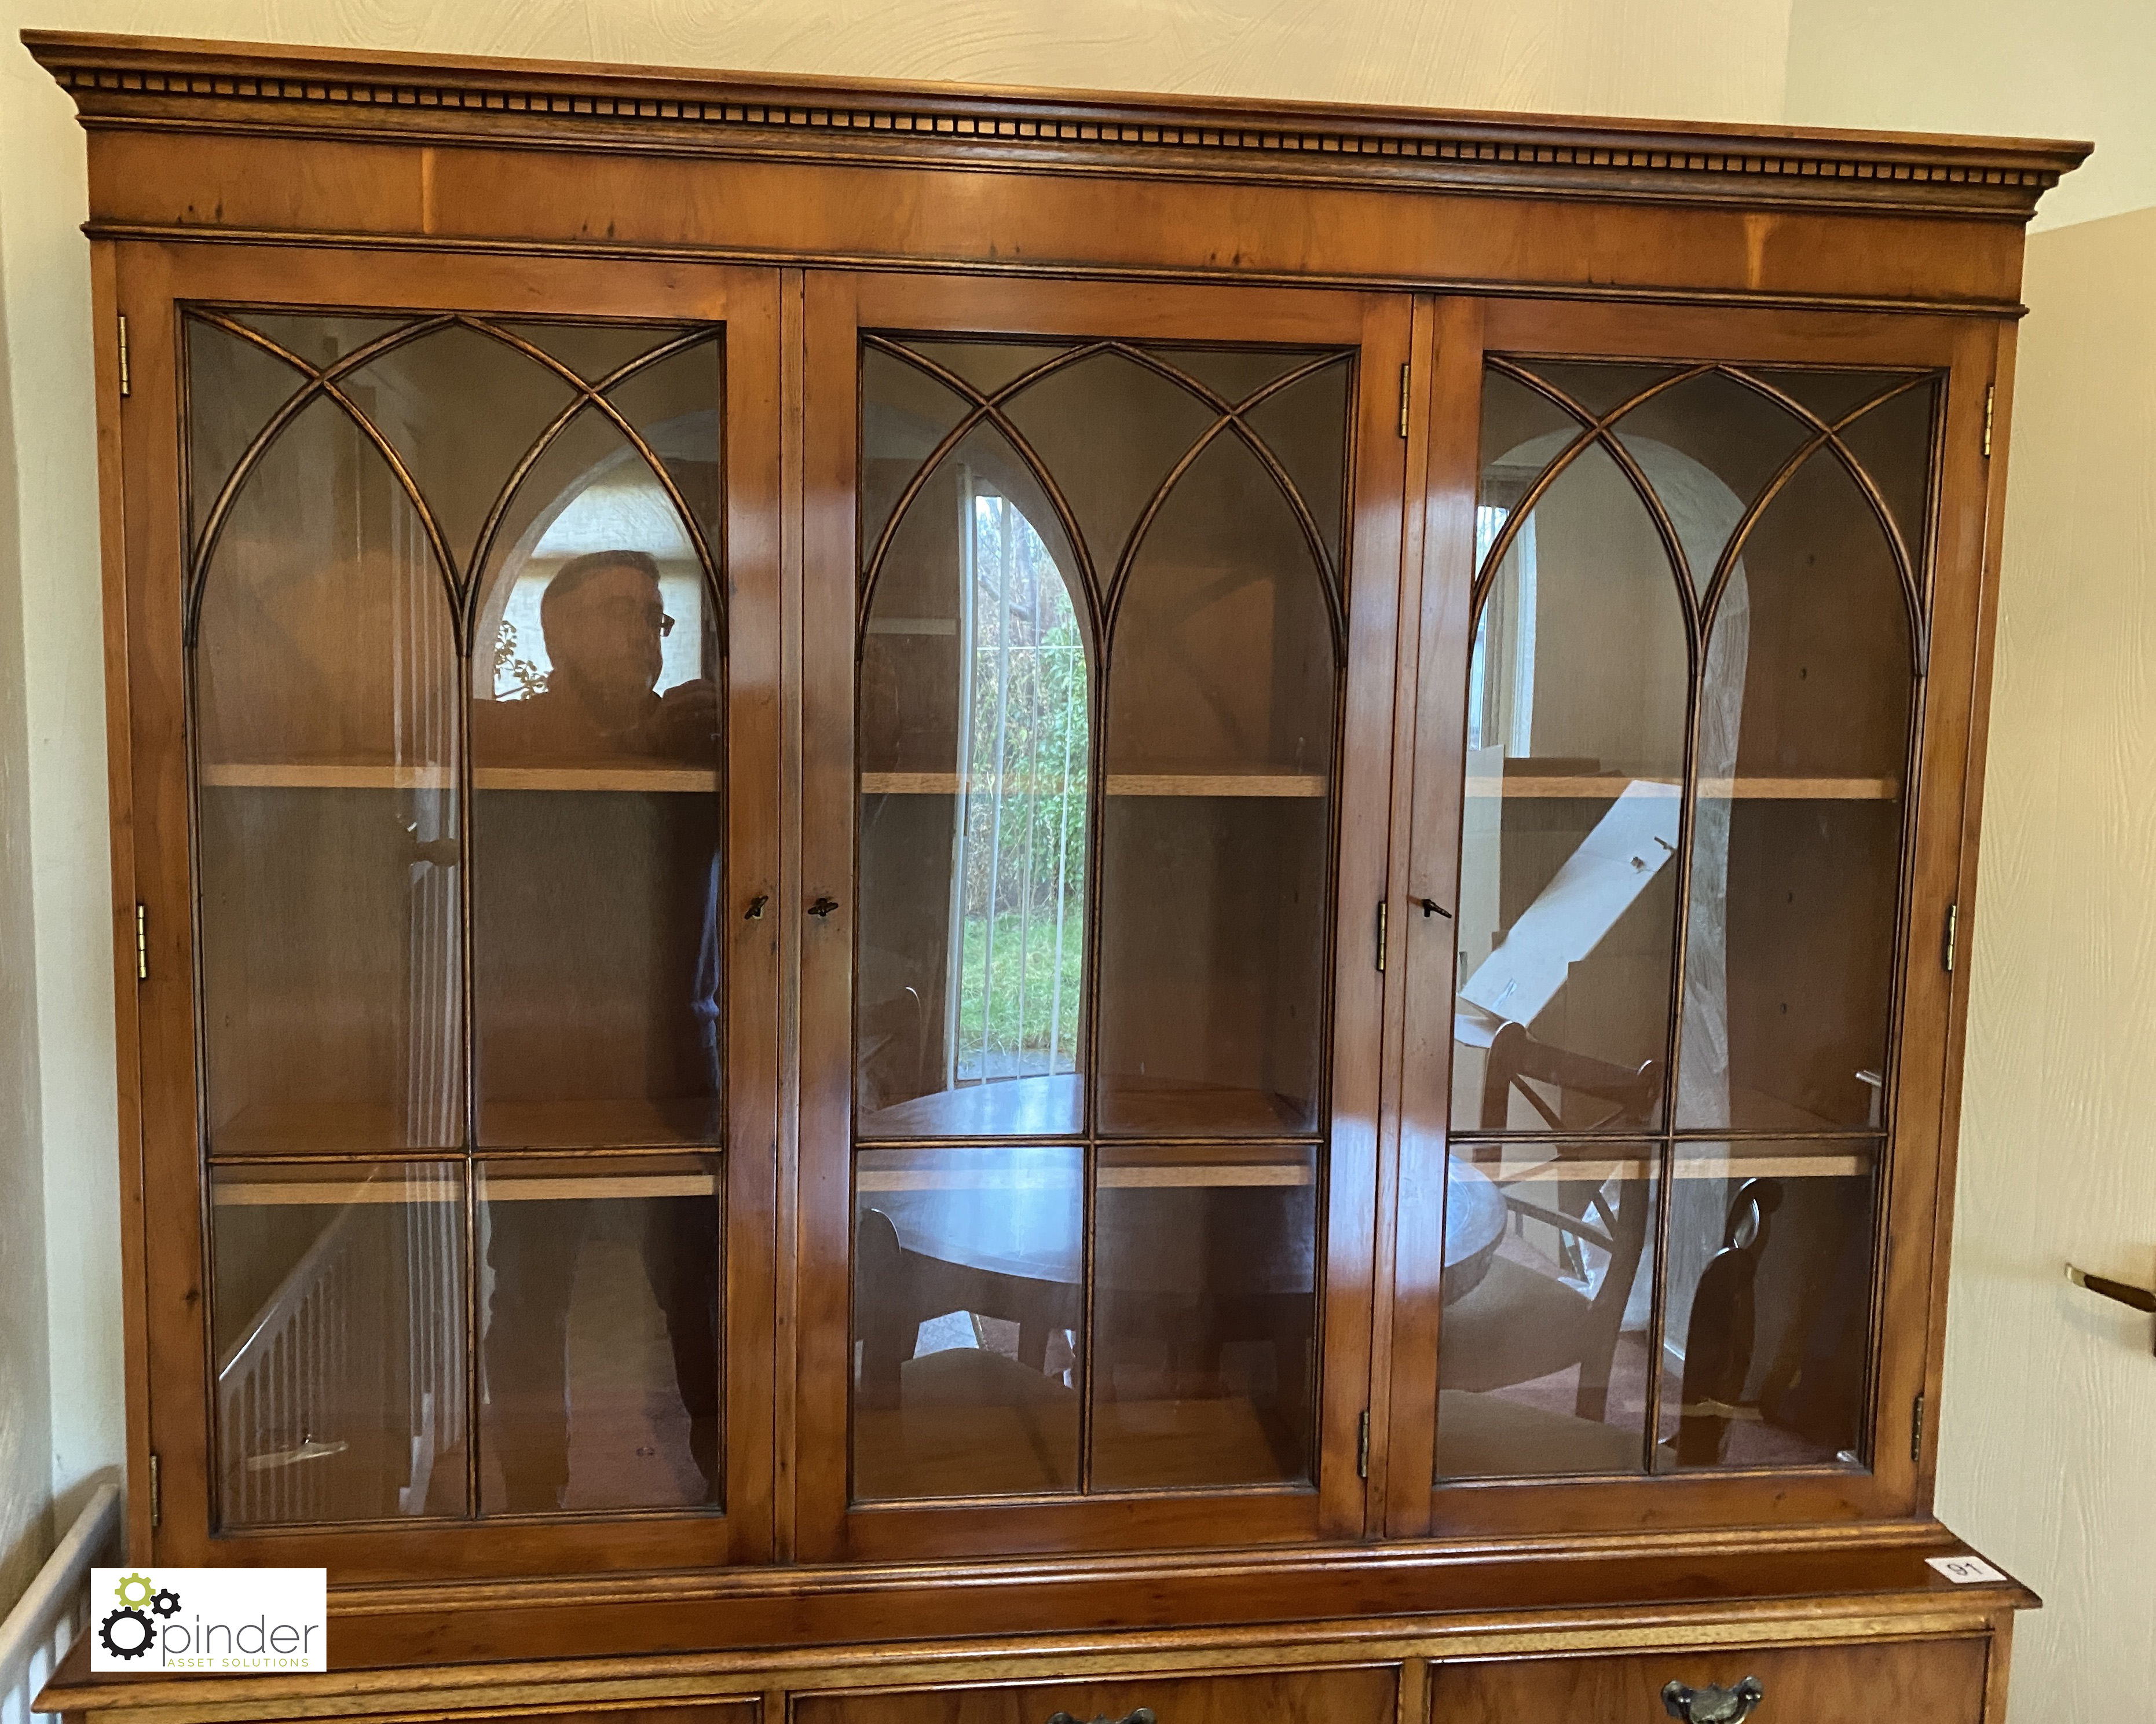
(128, 81)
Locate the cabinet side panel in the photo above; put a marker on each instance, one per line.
(105, 266)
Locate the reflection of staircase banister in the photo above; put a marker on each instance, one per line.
(54, 1609)
(291, 1294)
(289, 1377)
(347, 1354)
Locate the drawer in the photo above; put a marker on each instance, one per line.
(1365, 1694)
(1939, 1681)
(721, 1711)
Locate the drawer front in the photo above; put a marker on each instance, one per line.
(722, 1711)
(1937, 1681)
(1359, 1696)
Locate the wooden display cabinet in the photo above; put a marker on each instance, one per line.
(965, 904)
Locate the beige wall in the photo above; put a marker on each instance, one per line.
(2076, 68)
(63, 970)
(25, 1401)
(2051, 1394)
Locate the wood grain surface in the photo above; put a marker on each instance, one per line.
(1941, 1682)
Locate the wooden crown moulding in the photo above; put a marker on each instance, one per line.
(128, 81)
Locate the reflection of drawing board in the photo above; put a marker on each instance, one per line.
(1599, 882)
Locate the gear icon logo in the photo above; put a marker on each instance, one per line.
(127, 1633)
(166, 1603)
(134, 1590)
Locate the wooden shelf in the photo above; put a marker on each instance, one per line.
(1174, 1173)
(691, 1122)
(249, 1192)
(674, 780)
(1607, 787)
(322, 775)
(1530, 1165)
(354, 775)
(1218, 784)
(665, 1125)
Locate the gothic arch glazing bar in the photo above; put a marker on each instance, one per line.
(322, 381)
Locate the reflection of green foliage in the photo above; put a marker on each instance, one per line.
(1044, 751)
(1030, 739)
(528, 678)
(1042, 982)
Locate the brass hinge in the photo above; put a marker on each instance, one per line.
(1363, 1449)
(125, 386)
(1953, 932)
(1381, 936)
(1917, 1430)
(1990, 392)
(1405, 370)
(156, 1494)
(142, 944)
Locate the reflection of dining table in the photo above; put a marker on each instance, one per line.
(1474, 1227)
(987, 1218)
(999, 1231)
(1054, 1106)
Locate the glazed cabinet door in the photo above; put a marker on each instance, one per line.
(452, 631)
(1099, 604)
(1699, 638)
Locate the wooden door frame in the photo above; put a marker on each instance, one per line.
(837, 305)
(170, 1385)
(1913, 1219)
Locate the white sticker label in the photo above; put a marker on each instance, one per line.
(218, 1620)
(1961, 1570)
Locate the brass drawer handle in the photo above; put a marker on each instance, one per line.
(2125, 1292)
(1709, 1705)
(1139, 1715)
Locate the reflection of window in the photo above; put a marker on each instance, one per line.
(1501, 712)
(623, 508)
(1018, 872)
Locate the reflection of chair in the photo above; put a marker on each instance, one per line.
(897, 1291)
(1814, 1389)
(1720, 1334)
(1519, 1323)
(1204, 1297)
(893, 1050)
(965, 1419)
(1517, 1061)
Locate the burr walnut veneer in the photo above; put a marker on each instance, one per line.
(972, 904)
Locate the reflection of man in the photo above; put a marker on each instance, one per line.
(604, 622)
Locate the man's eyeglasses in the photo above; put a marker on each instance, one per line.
(629, 613)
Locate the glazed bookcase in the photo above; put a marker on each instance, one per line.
(954, 903)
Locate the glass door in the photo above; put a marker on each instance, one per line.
(1088, 933)
(1695, 638)
(476, 787)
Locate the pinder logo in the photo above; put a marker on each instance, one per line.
(215, 1619)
